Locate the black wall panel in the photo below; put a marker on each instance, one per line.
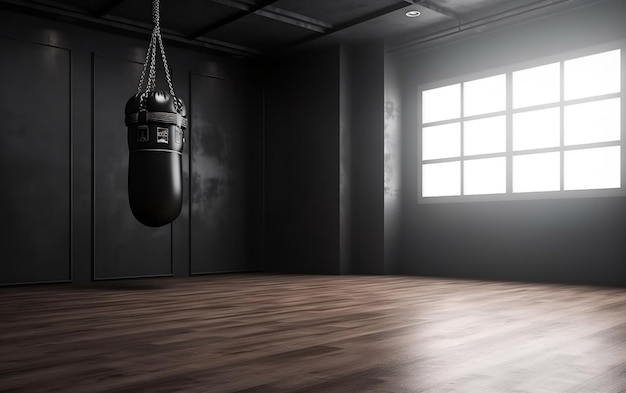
(324, 146)
(367, 112)
(345, 162)
(35, 163)
(65, 157)
(218, 176)
(302, 163)
(122, 246)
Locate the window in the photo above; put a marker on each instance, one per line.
(553, 129)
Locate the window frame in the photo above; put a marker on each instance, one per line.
(509, 153)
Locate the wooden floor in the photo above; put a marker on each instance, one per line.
(264, 333)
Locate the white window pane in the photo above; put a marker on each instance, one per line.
(537, 172)
(443, 179)
(536, 86)
(443, 103)
(485, 95)
(537, 129)
(592, 75)
(484, 136)
(443, 141)
(484, 176)
(597, 121)
(589, 169)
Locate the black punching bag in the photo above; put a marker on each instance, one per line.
(155, 141)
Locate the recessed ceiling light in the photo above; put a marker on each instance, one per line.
(413, 13)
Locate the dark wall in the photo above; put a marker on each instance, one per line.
(564, 240)
(35, 165)
(324, 165)
(302, 162)
(345, 162)
(219, 213)
(367, 89)
(65, 159)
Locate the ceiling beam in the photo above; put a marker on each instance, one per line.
(175, 36)
(438, 9)
(372, 15)
(294, 18)
(105, 9)
(127, 27)
(213, 26)
(280, 15)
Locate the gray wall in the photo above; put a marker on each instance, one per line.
(392, 165)
(563, 240)
(65, 159)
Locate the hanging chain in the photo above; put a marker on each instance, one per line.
(145, 65)
(155, 39)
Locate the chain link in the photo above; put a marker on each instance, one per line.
(155, 39)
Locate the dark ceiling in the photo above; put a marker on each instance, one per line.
(252, 28)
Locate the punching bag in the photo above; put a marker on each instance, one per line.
(155, 143)
(156, 121)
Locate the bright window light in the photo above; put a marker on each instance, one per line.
(484, 176)
(443, 103)
(537, 86)
(443, 141)
(441, 179)
(485, 95)
(596, 121)
(537, 172)
(537, 129)
(593, 75)
(589, 169)
(550, 129)
(485, 136)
